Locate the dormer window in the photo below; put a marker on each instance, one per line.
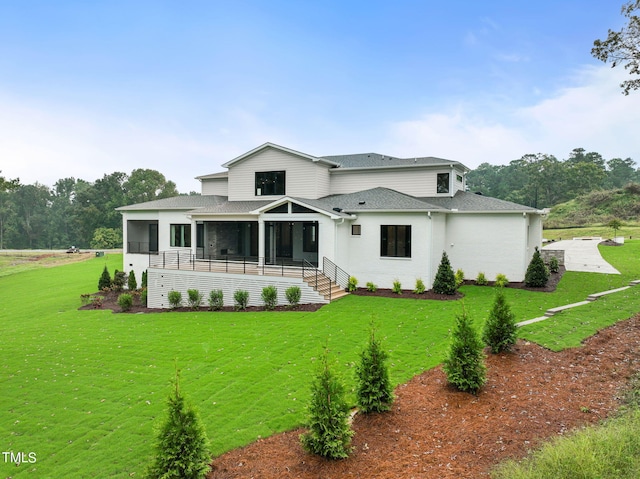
(442, 183)
(270, 183)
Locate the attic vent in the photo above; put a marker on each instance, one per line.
(338, 210)
(361, 202)
(479, 193)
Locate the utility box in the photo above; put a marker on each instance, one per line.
(99, 254)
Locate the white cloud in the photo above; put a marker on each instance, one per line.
(593, 114)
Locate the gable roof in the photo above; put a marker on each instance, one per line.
(267, 145)
(377, 199)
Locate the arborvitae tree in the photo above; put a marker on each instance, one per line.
(143, 282)
(329, 430)
(105, 279)
(537, 273)
(464, 365)
(445, 280)
(374, 392)
(500, 330)
(182, 447)
(119, 279)
(132, 284)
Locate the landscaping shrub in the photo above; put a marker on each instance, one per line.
(464, 365)
(143, 281)
(125, 301)
(241, 299)
(269, 297)
(293, 295)
(329, 432)
(397, 286)
(96, 301)
(445, 280)
(501, 281)
(194, 298)
(374, 392)
(554, 265)
(143, 297)
(216, 300)
(119, 280)
(105, 280)
(175, 298)
(132, 284)
(372, 287)
(500, 330)
(537, 273)
(459, 276)
(481, 279)
(182, 446)
(420, 287)
(352, 285)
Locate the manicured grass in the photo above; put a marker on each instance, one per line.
(604, 231)
(83, 389)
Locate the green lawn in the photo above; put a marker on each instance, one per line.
(83, 389)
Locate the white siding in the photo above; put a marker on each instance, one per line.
(162, 281)
(411, 181)
(360, 255)
(488, 243)
(304, 178)
(215, 186)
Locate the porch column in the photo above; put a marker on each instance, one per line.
(261, 253)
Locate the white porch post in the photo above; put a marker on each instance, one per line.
(261, 253)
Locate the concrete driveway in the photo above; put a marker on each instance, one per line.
(583, 255)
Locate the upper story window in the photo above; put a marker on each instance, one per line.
(442, 183)
(270, 183)
(181, 235)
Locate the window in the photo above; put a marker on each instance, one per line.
(310, 237)
(442, 183)
(459, 178)
(181, 235)
(270, 183)
(395, 241)
(356, 230)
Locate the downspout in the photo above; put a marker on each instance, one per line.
(430, 249)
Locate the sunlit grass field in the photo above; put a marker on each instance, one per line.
(83, 389)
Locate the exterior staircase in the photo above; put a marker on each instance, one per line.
(326, 282)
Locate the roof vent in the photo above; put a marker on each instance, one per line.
(338, 210)
(361, 202)
(479, 193)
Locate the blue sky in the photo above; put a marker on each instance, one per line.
(88, 88)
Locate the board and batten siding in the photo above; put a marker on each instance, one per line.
(162, 281)
(304, 178)
(215, 186)
(420, 182)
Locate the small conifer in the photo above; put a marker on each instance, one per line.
(500, 330)
(132, 284)
(105, 279)
(329, 432)
(464, 365)
(374, 392)
(445, 280)
(182, 447)
(537, 273)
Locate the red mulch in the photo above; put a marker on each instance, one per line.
(434, 431)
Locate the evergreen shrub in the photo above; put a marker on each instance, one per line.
(481, 279)
(464, 365)
(397, 286)
(374, 392)
(175, 298)
(372, 287)
(132, 284)
(143, 297)
(537, 273)
(119, 280)
(329, 432)
(104, 282)
(194, 298)
(216, 300)
(459, 278)
(269, 297)
(501, 281)
(143, 281)
(420, 287)
(293, 295)
(500, 331)
(554, 265)
(241, 299)
(125, 301)
(445, 280)
(352, 285)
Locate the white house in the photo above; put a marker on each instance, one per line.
(278, 215)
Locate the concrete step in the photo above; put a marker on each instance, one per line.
(559, 309)
(594, 296)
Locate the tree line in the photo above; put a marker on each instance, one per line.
(542, 181)
(74, 212)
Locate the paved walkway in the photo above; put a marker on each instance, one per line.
(583, 255)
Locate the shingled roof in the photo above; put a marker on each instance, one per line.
(471, 202)
(177, 203)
